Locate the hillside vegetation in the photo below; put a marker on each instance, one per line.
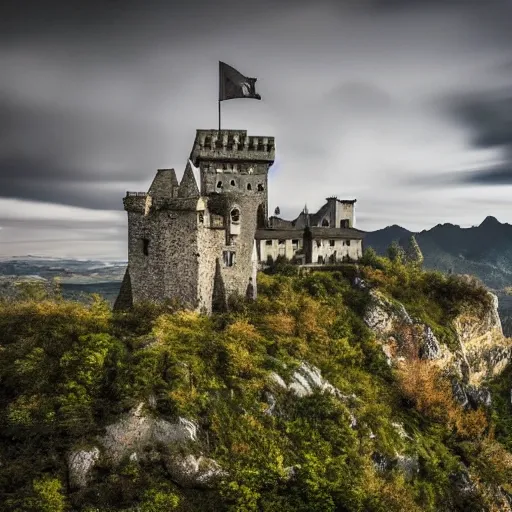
(369, 436)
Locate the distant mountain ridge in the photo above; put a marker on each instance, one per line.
(484, 251)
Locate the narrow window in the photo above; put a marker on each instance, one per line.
(348, 242)
(233, 184)
(331, 243)
(219, 184)
(318, 243)
(295, 244)
(201, 218)
(235, 215)
(344, 223)
(268, 242)
(249, 186)
(145, 246)
(260, 187)
(320, 259)
(229, 258)
(325, 223)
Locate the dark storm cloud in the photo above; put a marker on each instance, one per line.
(502, 176)
(38, 180)
(489, 117)
(95, 96)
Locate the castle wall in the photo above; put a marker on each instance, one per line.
(210, 242)
(169, 269)
(280, 247)
(345, 211)
(180, 266)
(145, 270)
(323, 248)
(236, 277)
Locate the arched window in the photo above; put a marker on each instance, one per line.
(325, 223)
(233, 184)
(249, 186)
(235, 215)
(260, 187)
(219, 184)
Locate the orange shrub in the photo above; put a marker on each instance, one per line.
(422, 383)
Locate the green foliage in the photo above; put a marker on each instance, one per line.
(396, 253)
(68, 370)
(413, 252)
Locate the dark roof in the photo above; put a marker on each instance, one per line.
(287, 234)
(348, 201)
(324, 233)
(345, 233)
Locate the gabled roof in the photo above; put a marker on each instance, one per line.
(333, 233)
(287, 234)
(316, 232)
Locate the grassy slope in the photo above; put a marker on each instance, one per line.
(67, 370)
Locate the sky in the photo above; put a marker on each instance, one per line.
(405, 105)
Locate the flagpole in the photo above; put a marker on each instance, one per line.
(220, 89)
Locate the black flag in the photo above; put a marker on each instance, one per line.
(233, 84)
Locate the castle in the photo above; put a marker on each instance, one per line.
(201, 240)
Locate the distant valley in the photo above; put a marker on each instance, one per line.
(77, 277)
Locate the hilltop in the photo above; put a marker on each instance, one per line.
(383, 389)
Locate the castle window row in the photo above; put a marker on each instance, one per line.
(220, 186)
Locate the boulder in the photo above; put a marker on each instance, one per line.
(194, 472)
(80, 464)
(135, 431)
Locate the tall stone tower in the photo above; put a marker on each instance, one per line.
(194, 241)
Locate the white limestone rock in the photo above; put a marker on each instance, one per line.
(308, 378)
(194, 472)
(382, 314)
(80, 464)
(135, 431)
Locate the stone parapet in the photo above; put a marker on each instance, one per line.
(232, 145)
(135, 202)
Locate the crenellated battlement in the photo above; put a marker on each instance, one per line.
(231, 145)
(136, 194)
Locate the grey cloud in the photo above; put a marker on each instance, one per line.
(489, 117)
(96, 95)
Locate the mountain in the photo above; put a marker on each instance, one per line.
(484, 251)
(328, 393)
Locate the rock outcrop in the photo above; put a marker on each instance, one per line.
(194, 472)
(80, 464)
(136, 430)
(482, 352)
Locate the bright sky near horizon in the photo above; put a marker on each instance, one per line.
(405, 105)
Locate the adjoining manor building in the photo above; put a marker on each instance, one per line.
(328, 236)
(201, 240)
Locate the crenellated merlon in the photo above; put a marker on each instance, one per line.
(231, 145)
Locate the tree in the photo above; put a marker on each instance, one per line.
(413, 252)
(396, 253)
(370, 258)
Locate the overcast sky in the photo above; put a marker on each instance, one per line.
(405, 105)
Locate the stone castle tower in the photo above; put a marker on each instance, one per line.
(194, 241)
